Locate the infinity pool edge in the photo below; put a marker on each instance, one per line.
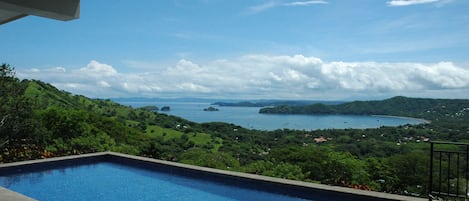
(125, 158)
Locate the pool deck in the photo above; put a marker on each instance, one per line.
(7, 195)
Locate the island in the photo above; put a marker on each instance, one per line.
(211, 109)
(165, 108)
(150, 108)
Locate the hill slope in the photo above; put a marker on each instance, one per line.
(60, 123)
(431, 109)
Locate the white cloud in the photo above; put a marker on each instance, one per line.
(104, 84)
(305, 3)
(410, 2)
(264, 76)
(188, 86)
(34, 70)
(99, 69)
(273, 4)
(59, 69)
(262, 7)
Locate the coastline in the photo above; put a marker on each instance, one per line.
(424, 121)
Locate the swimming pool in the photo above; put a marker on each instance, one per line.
(112, 176)
(112, 181)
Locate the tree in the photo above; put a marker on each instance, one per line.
(381, 175)
(16, 117)
(7, 81)
(344, 169)
(201, 157)
(6, 71)
(412, 171)
(274, 169)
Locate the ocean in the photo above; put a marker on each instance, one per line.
(249, 117)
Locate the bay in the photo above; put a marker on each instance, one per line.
(249, 117)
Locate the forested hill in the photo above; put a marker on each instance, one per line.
(38, 121)
(431, 109)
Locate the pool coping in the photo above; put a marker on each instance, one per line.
(8, 195)
(14, 196)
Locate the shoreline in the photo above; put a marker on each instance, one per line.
(424, 121)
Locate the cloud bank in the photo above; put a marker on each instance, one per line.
(263, 76)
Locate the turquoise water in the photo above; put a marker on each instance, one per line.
(249, 117)
(110, 181)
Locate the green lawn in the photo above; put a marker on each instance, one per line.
(199, 139)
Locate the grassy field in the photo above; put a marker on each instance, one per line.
(199, 139)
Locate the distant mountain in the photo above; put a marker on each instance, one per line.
(228, 102)
(266, 103)
(173, 100)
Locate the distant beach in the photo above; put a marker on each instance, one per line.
(424, 121)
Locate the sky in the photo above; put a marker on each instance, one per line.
(248, 49)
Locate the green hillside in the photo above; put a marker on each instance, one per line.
(60, 123)
(431, 109)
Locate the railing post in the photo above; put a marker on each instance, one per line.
(467, 169)
(440, 172)
(457, 175)
(430, 185)
(448, 174)
(451, 154)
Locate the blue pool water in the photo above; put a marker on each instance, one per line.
(111, 181)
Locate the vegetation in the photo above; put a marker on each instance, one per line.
(431, 109)
(39, 121)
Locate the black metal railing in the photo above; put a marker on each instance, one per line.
(449, 171)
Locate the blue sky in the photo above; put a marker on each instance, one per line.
(285, 49)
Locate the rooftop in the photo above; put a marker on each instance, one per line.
(64, 10)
